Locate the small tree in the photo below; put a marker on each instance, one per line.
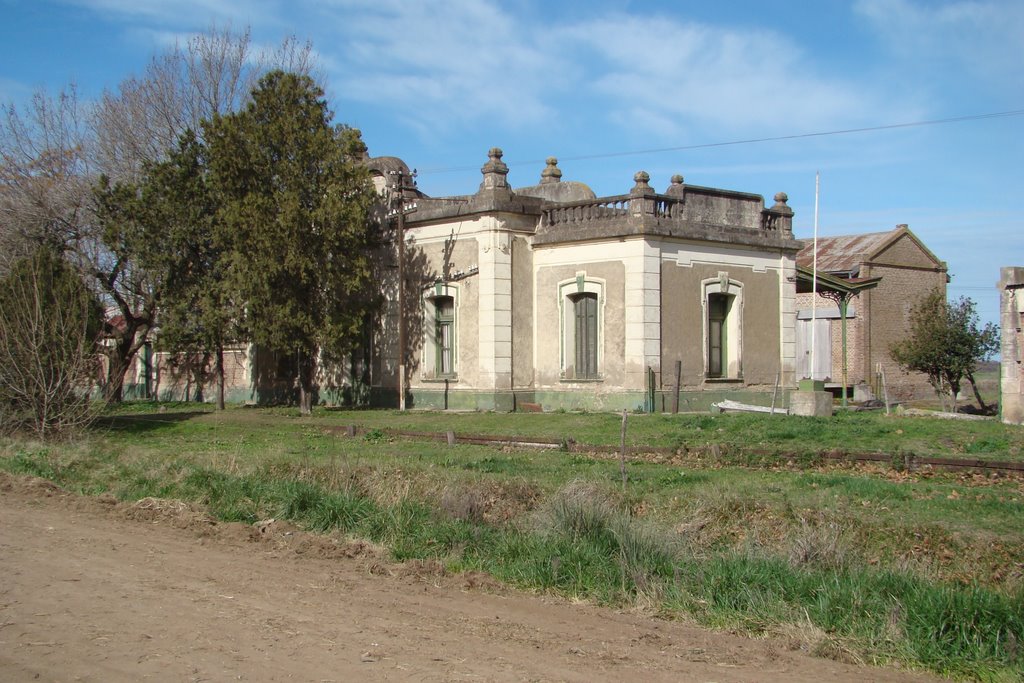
(49, 325)
(946, 344)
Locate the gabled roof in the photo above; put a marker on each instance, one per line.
(844, 254)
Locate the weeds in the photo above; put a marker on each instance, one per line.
(782, 552)
(817, 544)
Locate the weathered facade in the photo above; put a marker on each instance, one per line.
(877, 318)
(166, 376)
(1011, 382)
(552, 297)
(549, 295)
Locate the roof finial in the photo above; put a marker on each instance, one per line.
(642, 180)
(495, 171)
(551, 173)
(677, 188)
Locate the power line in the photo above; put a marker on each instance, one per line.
(706, 145)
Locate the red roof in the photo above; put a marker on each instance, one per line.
(844, 253)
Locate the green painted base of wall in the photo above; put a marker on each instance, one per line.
(632, 401)
(500, 401)
(689, 401)
(137, 392)
(701, 401)
(439, 399)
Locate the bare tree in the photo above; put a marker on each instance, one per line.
(45, 175)
(49, 322)
(213, 73)
(57, 151)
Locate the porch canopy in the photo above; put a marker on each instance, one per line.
(837, 289)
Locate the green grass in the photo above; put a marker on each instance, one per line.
(874, 564)
(790, 435)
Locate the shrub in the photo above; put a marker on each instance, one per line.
(49, 324)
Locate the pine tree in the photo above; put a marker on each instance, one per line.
(296, 202)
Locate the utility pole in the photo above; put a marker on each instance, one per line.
(398, 210)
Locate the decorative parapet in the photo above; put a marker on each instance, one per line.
(615, 207)
(690, 212)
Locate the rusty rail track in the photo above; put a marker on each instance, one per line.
(906, 461)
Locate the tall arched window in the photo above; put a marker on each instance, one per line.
(581, 301)
(444, 335)
(440, 332)
(585, 335)
(718, 334)
(723, 314)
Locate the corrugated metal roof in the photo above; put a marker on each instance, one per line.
(843, 253)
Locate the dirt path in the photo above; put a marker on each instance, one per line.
(93, 590)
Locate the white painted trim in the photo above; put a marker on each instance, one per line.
(566, 288)
(688, 255)
(734, 323)
(428, 359)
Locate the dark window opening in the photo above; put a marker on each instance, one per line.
(585, 335)
(444, 315)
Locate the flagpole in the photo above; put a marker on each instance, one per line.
(814, 272)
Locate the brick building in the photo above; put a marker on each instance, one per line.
(876, 318)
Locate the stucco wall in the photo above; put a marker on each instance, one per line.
(522, 314)
(1011, 291)
(611, 361)
(683, 321)
(437, 255)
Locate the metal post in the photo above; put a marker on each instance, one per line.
(399, 210)
(842, 317)
(401, 292)
(679, 381)
(622, 451)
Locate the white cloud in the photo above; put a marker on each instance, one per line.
(447, 63)
(980, 37)
(692, 73)
(468, 63)
(477, 61)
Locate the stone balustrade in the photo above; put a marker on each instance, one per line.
(656, 206)
(587, 210)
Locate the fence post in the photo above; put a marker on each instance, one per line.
(679, 381)
(622, 451)
(650, 389)
(775, 394)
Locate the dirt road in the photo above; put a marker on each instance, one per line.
(95, 590)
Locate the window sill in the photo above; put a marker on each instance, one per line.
(440, 380)
(581, 380)
(723, 380)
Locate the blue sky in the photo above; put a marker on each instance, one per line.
(438, 83)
